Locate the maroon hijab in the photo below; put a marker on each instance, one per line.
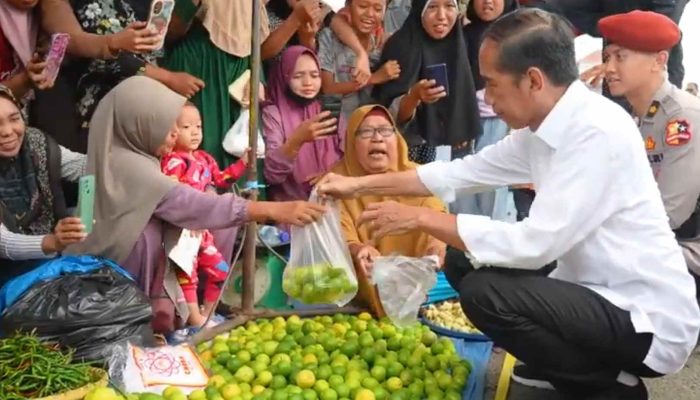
(313, 158)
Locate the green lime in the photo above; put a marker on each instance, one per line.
(284, 368)
(380, 346)
(278, 382)
(394, 384)
(279, 394)
(378, 372)
(437, 348)
(381, 394)
(244, 356)
(309, 394)
(370, 383)
(321, 385)
(198, 395)
(230, 391)
(305, 379)
(343, 390)
(329, 394)
(394, 369)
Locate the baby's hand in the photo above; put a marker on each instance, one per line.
(245, 155)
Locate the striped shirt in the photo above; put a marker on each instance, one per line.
(15, 246)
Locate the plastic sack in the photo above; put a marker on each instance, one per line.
(236, 139)
(320, 269)
(403, 284)
(52, 269)
(88, 312)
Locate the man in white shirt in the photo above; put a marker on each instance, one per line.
(620, 304)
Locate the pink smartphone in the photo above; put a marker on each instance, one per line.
(159, 17)
(59, 44)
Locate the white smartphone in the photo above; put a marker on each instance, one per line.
(159, 18)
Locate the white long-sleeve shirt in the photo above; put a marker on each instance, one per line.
(598, 211)
(15, 246)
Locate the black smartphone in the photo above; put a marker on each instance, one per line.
(438, 73)
(332, 104)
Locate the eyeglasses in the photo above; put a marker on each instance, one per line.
(368, 133)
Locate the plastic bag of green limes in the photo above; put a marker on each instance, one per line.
(320, 269)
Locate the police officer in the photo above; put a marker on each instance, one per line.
(668, 117)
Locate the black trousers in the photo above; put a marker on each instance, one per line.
(574, 337)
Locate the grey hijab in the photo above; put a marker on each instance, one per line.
(128, 127)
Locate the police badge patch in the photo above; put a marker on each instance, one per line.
(650, 144)
(678, 132)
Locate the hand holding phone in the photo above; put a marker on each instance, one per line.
(318, 126)
(159, 18)
(86, 201)
(427, 91)
(332, 104)
(54, 58)
(438, 73)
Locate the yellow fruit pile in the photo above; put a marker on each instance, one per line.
(449, 315)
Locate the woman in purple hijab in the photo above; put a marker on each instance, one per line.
(302, 141)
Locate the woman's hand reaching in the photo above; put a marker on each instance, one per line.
(297, 213)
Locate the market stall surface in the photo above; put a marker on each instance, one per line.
(684, 385)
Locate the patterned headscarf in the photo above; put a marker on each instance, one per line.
(26, 198)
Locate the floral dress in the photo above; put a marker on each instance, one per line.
(98, 77)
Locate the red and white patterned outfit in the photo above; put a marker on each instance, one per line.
(200, 171)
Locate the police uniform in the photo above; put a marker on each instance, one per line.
(670, 129)
(670, 133)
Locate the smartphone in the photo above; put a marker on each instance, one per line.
(438, 73)
(331, 104)
(54, 58)
(86, 201)
(159, 18)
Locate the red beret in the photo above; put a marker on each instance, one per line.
(641, 31)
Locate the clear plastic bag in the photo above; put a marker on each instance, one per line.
(237, 139)
(403, 284)
(320, 269)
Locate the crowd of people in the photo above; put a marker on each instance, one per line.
(602, 267)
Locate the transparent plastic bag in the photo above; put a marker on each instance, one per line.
(237, 139)
(403, 284)
(320, 269)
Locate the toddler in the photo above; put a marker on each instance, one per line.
(198, 169)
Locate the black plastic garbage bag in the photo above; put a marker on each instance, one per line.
(91, 313)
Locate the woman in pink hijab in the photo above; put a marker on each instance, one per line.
(302, 141)
(20, 68)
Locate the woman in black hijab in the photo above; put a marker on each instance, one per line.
(437, 116)
(481, 13)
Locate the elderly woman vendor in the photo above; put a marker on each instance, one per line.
(374, 146)
(34, 224)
